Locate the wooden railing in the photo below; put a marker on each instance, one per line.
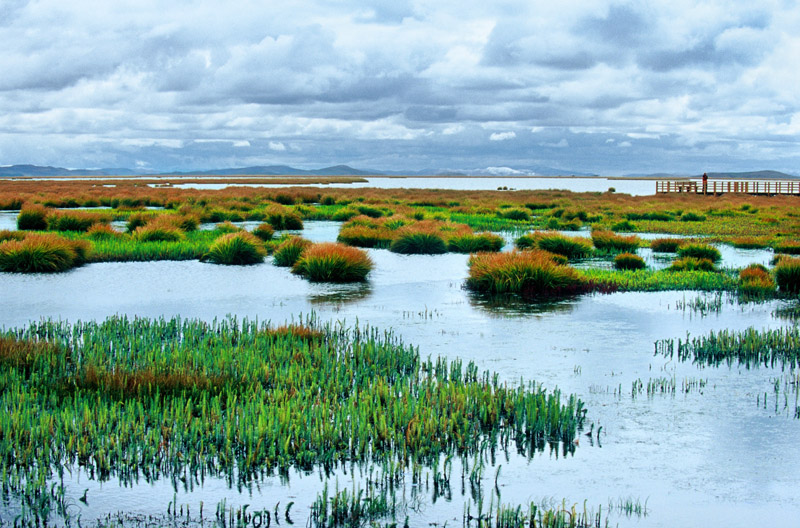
(729, 186)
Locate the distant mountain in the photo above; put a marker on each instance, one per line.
(271, 170)
(35, 170)
(278, 170)
(759, 175)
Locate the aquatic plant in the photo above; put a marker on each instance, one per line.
(699, 251)
(289, 251)
(665, 245)
(692, 264)
(42, 253)
(533, 273)
(418, 243)
(628, 261)
(333, 262)
(7, 234)
(137, 220)
(747, 242)
(240, 248)
(787, 274)
(658, 280)
(32, 218)
(473, 243)
(612, 242)
(770, 348)
(264, 232)
(127, 398)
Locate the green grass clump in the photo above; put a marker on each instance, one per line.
(750, 348)
(520, 215)
(612, 242)
(787, 274)
(532, 273)
(690, 216)
(332, 262)
(628, 261)
(289, 251)
(692, 264)
(700, 251)
(366, 236)
(137, 220)
(750, 242)
(80, 221)
(281, 219)
(158, 233)
(238, 249)
(658, 280)
(42, 253)
(102, 231)
(665, 245)
(227, 227)
(474, 243)
(264, 232)
(33, 218)
(418, 243)
(571, 247)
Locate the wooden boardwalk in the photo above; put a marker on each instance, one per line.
(761, 187)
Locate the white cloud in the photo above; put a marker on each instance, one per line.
(400, 86)
(502, 136)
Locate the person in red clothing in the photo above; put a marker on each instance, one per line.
(705, 183)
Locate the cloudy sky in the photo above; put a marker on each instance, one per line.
(588, 86)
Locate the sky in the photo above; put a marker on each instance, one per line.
(484, 86)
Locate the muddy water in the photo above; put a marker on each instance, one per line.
(711, 456)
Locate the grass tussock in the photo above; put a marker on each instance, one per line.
(236, 249)
(665, 245)
(333, 262)
(80, 221)
(787, 274)
(613, 243)
(692, 264)
(102, 232)
(755, 280)
(289, 251)
(628, 261)
(158, 233)
(419, 243)
(32, 218)
(700, 251)
(475, 243)
(42, 253)
(264, 232)
(573, 248)
(7, 234)
(283, 219)
(532, 273)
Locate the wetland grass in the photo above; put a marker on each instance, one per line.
(237, 249)
(611, 242)
(333, 262)
(288, 252)
(699, 251)
(42, 253)
(533, 273)
(665, 245)
(787, 274)
(749, 348)
(168, 398)
(474, 243)
(264, 232)
(411, 242)
(80, 221)
(755, 281)
(628, 261)
(573, 248)
(32, 218)
(692, 264)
